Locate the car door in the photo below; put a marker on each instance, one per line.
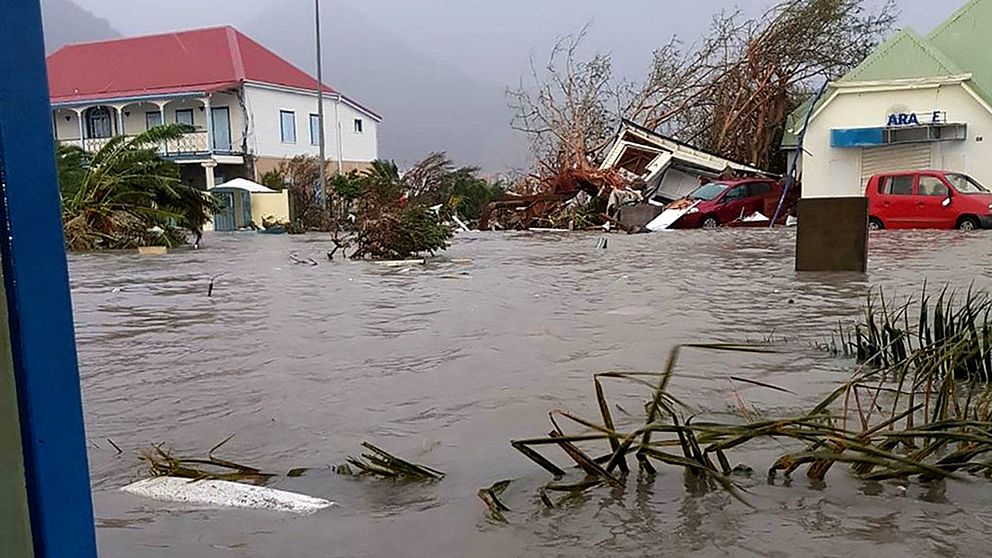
(758, 195)
(931, 212)
(896, 202)
(733, 204)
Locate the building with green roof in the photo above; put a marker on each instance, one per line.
(916, 102)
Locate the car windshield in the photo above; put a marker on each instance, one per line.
(708, 192)
(966, 185)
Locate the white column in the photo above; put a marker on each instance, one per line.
(210, 126)
(208, 167)
(120, 121)
(82, 134)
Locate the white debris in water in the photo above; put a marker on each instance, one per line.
(225, 494)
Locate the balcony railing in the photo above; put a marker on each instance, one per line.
(188, 145)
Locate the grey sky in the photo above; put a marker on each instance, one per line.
(491, 40)
(437, 69)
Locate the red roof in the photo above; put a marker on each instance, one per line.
(197, 61)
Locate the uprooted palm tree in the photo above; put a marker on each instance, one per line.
(393, 218)
(126, 195)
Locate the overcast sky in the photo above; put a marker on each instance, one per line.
(487, 39)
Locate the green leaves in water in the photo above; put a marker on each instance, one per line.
(383, 464)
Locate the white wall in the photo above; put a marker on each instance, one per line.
(66, 129)
(831, 172)
(265, 139)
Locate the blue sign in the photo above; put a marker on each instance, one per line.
(915, 119)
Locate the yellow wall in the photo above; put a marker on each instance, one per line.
(270, 205)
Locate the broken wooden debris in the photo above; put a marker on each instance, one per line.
(384, 464)
(490, 497)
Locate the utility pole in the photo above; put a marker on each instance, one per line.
(322, 185)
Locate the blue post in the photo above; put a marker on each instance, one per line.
(37, 289)
(790, 178)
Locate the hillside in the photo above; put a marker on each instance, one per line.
(65, 22)
(426, 105)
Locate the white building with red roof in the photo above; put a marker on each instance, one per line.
(251, 108)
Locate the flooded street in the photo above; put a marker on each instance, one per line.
(446, 363)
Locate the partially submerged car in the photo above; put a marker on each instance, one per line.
(726, 201)
(928, 199)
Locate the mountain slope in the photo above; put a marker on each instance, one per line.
(426, 106)
(66, 23)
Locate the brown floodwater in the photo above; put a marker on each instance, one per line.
(446, 363)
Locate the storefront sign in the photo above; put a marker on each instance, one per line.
(917, 118)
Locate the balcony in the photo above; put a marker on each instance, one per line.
(193, 145)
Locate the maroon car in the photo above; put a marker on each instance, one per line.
(725, 201)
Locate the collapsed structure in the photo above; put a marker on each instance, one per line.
(668, 168)
(642, 173)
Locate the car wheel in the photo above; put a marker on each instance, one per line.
(875, 225)
(967, 224)
(710, 222)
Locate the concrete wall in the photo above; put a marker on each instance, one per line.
(266, 164)
(134, 117)
(237, 116)
(266, 205)
(65, 129)
(265, 139)
(199, 116)
(830, 172)
(15, 527)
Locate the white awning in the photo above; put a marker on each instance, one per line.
(247, 185)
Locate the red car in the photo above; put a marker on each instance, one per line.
(725, 201)
(928, 199)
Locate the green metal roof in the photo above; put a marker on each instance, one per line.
(960, 45)
(966, 38)
(904, 56)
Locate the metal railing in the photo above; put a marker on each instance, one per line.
(193, 143)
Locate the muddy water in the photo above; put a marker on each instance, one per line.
(446, 363)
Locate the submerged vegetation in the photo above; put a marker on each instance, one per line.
(918, 406)
(380, 212)
(126, 195)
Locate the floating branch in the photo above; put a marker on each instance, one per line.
(163, 463)
(490, 496)
(383, 464)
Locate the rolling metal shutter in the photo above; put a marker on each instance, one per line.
(890, 158)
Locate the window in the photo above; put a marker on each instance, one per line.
(153, 119)
(932, 186)
(760, 189)
(708, 192)
(738, 193)
(287, 126)
(965, 184)
(896, 185)
(359, 126)
(98, 123)
(314, 129)
(184, 116)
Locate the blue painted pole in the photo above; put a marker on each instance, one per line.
(36, 284)
(791, 177)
